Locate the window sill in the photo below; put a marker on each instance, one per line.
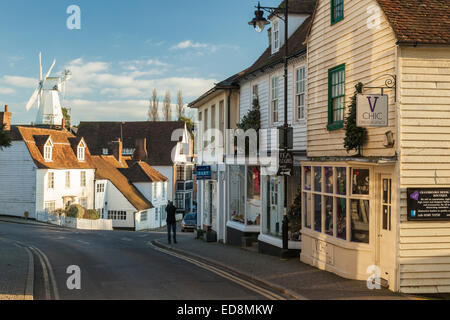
(335, 126)
(333, 22)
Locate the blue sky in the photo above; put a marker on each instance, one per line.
(123, 50)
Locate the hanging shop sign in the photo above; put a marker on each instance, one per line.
(372, 110)
(286, 163)
(203, 172)
(428, 203)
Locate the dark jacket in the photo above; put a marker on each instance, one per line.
(171, 212)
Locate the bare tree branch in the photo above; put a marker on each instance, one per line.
(180, 105)
(153, 107)
(167, 107)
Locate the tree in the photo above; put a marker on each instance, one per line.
(167, 107)
(189, 124)
(154, 106)
(355, 137)
(180, 105)
(66, 115)
(5, 138)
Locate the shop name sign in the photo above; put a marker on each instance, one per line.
(203, 172)
(372, 110)
(428, 203)
(286, 163)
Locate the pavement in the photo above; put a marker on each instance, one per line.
(16, 272)
(289, 276)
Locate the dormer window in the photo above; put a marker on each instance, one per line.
(81, 150)
(48, 150)
(276, 36)
(105, 151)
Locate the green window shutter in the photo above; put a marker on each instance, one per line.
(336, 97)
(337, 11)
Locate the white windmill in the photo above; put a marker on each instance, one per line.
(48, 102)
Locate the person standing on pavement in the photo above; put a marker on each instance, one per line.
(171, 221)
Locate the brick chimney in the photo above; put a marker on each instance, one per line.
(117, 149)
(5, 119)
(140, 153)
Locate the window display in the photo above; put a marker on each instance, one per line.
(237, 193)
(328, 179)
(359, 210)
(329, 215)
(253, 196)
(307, 177)
(318, 179)
(341, 220)
(333, 205)
(360, 181)
(318, 212)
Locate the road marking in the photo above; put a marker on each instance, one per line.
(45, 274)
(266, 293)
(84, 242)
(52, 275)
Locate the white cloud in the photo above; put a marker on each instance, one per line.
(22, 82)
(189, 44)
(7, 91)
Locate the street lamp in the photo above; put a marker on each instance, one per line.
(259, 22)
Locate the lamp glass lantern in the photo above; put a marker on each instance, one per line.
(259, 22)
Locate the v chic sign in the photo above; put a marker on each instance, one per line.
(372, 110)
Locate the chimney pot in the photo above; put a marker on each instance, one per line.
(6, 108)
(140, 152)
(5, 119)
(63, 123)
(117, 150)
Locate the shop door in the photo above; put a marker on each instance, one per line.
(274, 201)
(385, 233)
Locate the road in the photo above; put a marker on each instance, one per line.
(116, 265)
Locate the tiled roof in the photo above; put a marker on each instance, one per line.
(63, 155)
(295, 46)
(419, 21)
(109, 168)
(141, 171)
(99, 135)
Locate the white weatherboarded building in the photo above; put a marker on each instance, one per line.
(43, 170)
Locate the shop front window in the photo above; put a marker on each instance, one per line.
(359, 210)
(253, 196)
(237, 193)
(307, 177)
(330, 208)
(341, 220)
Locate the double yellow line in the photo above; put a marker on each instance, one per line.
(249, 285)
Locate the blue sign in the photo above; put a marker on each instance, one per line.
(203, 172)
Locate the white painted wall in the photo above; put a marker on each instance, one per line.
(167, 171)
(264, 94)
(44, 194)
(113, 199)
(17, 181)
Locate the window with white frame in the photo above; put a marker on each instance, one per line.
(336, 201)
(156, 214)
(105, 151)
(100, 187)
(48, 150)
(164, 186)
(51, 180)
(67, 179)
(117, 215)
(81, 151)
(255, 94)
(300, 90)
(276, 36)
(83, 178)
(274, 98)
(143, 216)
